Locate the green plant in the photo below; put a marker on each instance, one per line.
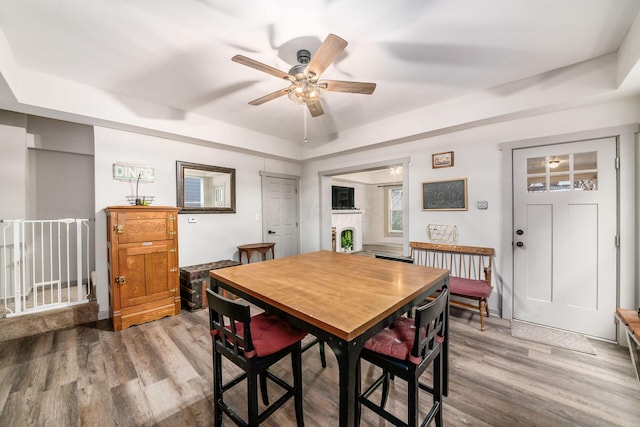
(346, 240)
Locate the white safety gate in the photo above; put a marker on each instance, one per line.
(44, 264)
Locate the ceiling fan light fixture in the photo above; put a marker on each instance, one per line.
(303, 92)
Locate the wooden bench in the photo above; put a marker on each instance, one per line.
(631, 321)
(469, 268)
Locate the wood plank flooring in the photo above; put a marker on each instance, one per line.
(159, 374)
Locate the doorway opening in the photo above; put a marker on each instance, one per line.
(378, 215)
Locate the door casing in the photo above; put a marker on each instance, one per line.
(627, 259)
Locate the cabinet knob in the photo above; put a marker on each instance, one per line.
(174, 270)
(172, 218)
(121, 280)
(118, 229)
(172, 250)
(172, 233)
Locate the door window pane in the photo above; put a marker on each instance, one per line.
(585, 182)
(536, 165)
(559, 163)
(536, 184)
(559, 183)
(585, 161)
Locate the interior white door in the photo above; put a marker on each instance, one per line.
(280, 214)
(565, 224)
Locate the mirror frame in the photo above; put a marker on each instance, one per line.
(180, 170)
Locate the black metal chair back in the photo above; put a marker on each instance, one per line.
(231, 335)
(426, 350)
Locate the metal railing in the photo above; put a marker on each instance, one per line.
(41, 262)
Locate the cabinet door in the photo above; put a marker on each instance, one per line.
(145, 226)
(149, 274)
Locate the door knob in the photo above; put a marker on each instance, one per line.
(519, 232)
(519, 244)
(271, 232)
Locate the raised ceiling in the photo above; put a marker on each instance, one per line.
(176, 54)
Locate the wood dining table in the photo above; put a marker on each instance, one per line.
(343, 299)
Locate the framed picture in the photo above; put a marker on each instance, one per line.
(442, 160)
(450, 195)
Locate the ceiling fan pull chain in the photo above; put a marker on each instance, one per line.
(304, 119)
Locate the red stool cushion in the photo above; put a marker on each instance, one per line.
(395, 341)
(270, 334)
(469, 287)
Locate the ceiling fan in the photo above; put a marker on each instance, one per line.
(305, 84)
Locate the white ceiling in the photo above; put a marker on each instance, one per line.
(177, 53)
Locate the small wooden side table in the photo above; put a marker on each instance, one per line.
(249, 249)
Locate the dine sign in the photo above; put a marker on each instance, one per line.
(131, 172)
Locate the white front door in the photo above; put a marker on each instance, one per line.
(280, 222)
(564, 235)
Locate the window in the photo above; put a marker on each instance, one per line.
(192, 192)
(567, 172)
(394, 203)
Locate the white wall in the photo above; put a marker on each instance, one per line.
(58, 135)
(214, 236)
(477, 158)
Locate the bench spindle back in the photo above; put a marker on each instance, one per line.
(469, 262)
(469, 269)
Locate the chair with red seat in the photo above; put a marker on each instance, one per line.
(401, 351)
(254, 344)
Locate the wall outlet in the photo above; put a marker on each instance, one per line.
(482, 204)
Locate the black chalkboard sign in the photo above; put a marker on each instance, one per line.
(445, 195)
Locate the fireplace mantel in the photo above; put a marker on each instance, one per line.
(346, 211)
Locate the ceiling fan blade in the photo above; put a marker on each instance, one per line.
(241, 59)
(315, 109)
(351, 87)
(269, 97)
(325, 55)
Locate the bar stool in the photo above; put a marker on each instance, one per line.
(253, 344)
(403, 353)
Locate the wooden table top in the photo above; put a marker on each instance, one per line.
(342, 294)
(265, 245)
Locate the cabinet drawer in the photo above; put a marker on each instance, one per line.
(134, 227)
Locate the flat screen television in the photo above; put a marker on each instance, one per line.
(342, 197)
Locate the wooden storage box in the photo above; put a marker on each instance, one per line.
(194, 280)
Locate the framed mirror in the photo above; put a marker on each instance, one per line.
(205, 189)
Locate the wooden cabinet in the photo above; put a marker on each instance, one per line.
(143, 264)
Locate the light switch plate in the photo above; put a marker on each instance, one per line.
(193, 219)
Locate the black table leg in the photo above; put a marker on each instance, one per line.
(347, 354)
